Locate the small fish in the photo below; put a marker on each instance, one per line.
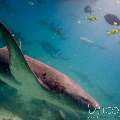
(88, 41)
(112, 19)
(84, 39)
(88, 9)
(57, 30)
(113, 32)
(52, 51)
(92, 18)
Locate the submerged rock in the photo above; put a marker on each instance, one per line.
(52, 50)
(112, 19)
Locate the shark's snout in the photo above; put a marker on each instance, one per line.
(82, 97)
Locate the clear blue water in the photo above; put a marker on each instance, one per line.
(94, 68)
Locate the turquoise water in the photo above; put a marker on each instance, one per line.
(50, 31)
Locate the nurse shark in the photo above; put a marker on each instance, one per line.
(35, 80)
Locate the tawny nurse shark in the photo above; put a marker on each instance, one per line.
(43, 81)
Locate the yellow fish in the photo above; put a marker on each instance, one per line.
(113, 32)
(115, 23)
(92, 18)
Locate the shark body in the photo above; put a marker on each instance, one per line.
(43, 82)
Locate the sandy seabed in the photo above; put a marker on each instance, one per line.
(6, 115)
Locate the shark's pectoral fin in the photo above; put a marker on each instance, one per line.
(7, 78)
(17, 64)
